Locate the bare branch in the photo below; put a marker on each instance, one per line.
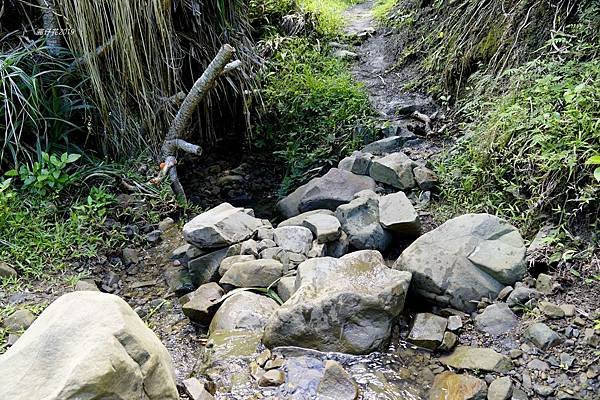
(220, 65)
(199, 91)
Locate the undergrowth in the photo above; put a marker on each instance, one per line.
(382, 10)
(313, 107)
(43, 107)
(328, 14)
(44, 229)
(529, 133)
(312, 104)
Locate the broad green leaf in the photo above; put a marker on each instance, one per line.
(12, 172)
(54, 160)
(73, 157)
(597, 174)
(593, 160)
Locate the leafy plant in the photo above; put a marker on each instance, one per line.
(95, 206)
(595, 160)
(529, 134)
(313, 108)
(41, 102)
(48, 175)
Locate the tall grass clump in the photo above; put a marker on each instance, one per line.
(450, 40)
(141, 57)
(42, 104)
(529, 134)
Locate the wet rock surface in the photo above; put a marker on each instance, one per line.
(349, 304)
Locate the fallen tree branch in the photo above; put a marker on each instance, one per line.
(173, 141)
(425, 119)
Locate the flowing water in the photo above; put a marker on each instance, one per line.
(401, 373)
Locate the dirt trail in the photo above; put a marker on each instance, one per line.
(376, 68)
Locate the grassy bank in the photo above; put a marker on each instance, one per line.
(312, 104)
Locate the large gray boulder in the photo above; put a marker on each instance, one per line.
(334, 188)
(88, 345)
(465, 259)
(221, 226)
(395, 169)
(397, 214)
(360, 221)
(345, 305)
(243, 311)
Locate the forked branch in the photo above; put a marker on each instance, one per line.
(174, 140)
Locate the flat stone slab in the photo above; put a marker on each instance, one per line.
(388, 145)
(475, 358)
(221, 226)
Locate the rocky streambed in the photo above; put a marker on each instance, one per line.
(354, 294)
(347, 298)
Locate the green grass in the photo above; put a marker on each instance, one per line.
(313, 107)
(36, 238)
(42, 103)
(383, 8)
(328, 14)
(43, 234)
(525, 154)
